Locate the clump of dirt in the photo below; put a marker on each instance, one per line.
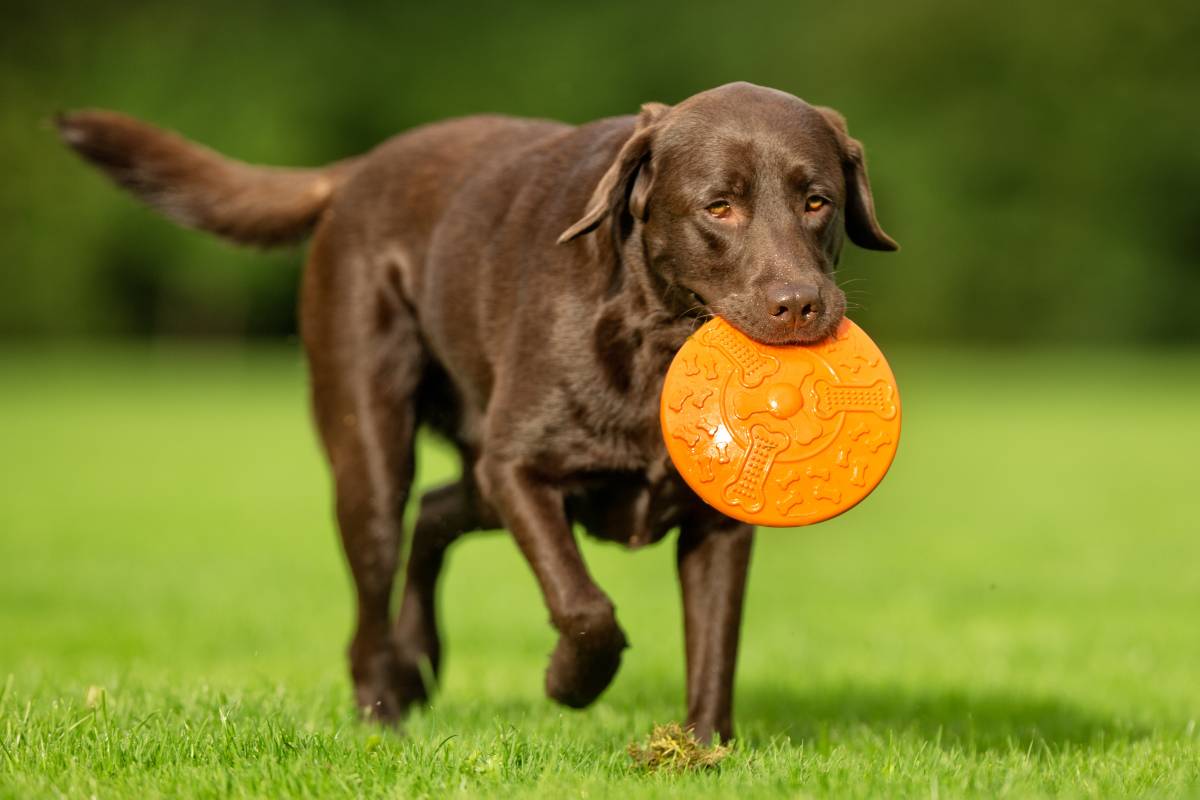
(674, 748)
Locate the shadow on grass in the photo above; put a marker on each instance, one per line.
(953, 718)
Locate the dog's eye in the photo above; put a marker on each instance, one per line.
(815, 203)
(720, 209)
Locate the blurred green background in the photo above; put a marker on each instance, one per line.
(1012, 613)
(1037, 161)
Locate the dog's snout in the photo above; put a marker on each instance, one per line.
(795, 304)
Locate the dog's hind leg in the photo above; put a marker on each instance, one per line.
(446, 513)
(366, 362)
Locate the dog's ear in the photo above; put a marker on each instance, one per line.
(861, 225)
(627, 180)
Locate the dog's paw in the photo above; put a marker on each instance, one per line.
(377, 699)
(582, 667)
(388, 686)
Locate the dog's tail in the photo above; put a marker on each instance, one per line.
(200, 188)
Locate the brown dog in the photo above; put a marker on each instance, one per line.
(520, 286)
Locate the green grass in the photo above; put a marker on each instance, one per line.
(1013, 613)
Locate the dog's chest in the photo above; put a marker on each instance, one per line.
(632, 508)
(623, 487)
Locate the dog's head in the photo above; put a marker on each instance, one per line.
(740, 195)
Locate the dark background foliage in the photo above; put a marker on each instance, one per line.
(1037, 161)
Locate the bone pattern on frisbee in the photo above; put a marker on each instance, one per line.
(780, 436)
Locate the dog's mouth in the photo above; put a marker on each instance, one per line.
(807, 336)
(769, 332)
(698, 308)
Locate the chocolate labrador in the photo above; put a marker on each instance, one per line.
(520, 286)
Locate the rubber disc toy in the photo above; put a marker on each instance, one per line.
(780, 436)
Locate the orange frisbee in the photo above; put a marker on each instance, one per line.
(780, 436)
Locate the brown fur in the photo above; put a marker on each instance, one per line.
(520, 286)
(198, 187)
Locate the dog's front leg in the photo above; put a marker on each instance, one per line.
(713, 557)
(590, 640)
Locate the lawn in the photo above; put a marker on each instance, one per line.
(1015, 612)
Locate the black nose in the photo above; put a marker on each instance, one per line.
(795, 304)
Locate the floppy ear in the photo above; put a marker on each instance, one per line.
(861, 225)
(629, 179)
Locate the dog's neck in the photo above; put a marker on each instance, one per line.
(637, 328)
(660, 304)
